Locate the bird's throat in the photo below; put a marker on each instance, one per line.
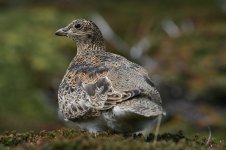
(85, 48)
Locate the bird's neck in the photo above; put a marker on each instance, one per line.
(87, 46)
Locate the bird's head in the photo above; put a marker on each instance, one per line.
(84, 32)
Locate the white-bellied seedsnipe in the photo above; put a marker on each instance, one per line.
(102, 91)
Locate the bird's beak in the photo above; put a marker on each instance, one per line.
(62, 32)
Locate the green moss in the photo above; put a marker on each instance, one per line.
(76, 139)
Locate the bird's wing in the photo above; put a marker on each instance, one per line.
(101, 87)
(96, 87)
(102, 95)
(133, 76)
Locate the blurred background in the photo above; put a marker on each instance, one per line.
(181, 43)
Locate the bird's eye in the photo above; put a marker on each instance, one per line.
(77, 25)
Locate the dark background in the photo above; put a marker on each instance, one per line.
(181, 43)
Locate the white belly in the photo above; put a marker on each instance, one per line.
(127, 122)
(93, 125)
(118, 121)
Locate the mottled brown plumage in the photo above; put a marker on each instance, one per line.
(103, 91)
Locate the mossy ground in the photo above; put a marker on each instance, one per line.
(75, 139)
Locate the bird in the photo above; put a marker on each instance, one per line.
(103, 91)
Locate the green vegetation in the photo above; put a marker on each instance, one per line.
(74, 139)
(30, 60)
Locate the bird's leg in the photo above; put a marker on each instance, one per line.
(145, 133)
(157, 129)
